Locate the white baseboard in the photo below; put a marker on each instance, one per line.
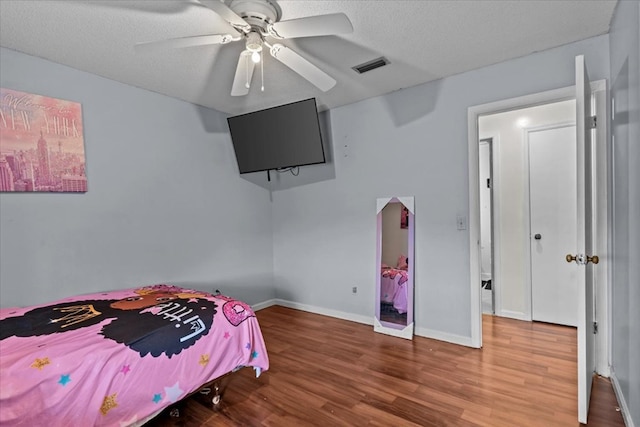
(444, 336)
(422, 332)
(264, 304)
(604, 370)
(624, 408)
(325, 311)
(518, 315)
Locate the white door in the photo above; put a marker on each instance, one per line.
(553, 207)
(583, 263)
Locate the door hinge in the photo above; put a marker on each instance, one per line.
(595, 327)
(488, 182)
(593, 122)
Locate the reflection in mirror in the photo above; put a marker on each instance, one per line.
(394, 291)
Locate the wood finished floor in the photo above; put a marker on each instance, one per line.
(331, 372)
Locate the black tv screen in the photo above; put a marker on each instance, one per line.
(279, 137)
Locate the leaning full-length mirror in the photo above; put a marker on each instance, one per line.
(395, 266)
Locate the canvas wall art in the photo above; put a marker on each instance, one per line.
(41, 144)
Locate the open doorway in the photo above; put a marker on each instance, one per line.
(592, 146)
(518, 305)
(511, 251)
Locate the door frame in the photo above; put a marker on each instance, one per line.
(599, 91)
(492, 142)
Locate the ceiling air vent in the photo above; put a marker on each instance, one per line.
(371, 65)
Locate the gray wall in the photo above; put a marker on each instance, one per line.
(165, 201)
(409, 143)
(625, 78)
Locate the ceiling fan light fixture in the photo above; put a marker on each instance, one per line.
(254, 42)
(255, 57)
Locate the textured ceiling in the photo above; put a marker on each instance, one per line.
(423, 40)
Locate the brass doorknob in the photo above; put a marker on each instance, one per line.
(580, 259)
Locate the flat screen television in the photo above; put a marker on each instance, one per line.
(279, 137)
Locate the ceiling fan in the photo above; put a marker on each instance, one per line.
(254, 22)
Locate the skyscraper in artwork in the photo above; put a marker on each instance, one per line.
(44, 166)
(6, 176)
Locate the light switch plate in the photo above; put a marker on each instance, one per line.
(461, 222)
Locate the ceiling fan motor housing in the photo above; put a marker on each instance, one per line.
(257, 13)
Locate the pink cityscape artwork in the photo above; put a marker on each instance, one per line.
(41, 144)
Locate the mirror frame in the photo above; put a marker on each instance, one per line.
(384, 327)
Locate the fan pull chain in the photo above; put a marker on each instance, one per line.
(246, 58)
(262, 71)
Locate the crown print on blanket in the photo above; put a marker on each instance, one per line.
(75, 314)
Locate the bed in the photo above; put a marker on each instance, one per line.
(120, 357)
(393, 288)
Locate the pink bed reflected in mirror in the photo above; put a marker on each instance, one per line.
(394, 263)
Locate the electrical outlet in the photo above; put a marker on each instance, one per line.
(354, 290)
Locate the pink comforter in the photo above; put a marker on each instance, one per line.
(393, 288)
(118, 358)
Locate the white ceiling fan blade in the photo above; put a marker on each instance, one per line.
(227, 14)
(306, 69)
(189, 41)
(321, 25)
(244, 73)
